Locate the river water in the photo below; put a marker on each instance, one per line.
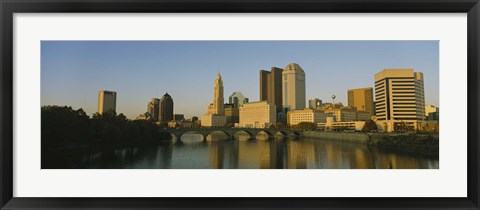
(194, 153)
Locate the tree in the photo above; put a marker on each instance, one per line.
(63, 125)
(401, 127)
(306, 126)
(111, 133)
(436, 128)
(370, 126)
(279, 125)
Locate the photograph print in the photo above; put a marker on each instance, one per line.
(240, 104)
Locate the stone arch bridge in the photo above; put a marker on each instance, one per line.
(231, 132)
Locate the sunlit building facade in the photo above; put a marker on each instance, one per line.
(271, 87)
(293, 89)
(363, 116)
(362, 99)
(399, 98)
(216, 113)
(257, 115)
(107, 101)
(432, 111)
(341, 114)
(154, 109)
(305, 115)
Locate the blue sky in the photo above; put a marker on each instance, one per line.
(72, 72)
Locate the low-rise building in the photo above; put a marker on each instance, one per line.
(178, 117)
(363, 116)
(331, 124)
(435, 116)
(314, 103)
(173, 124)
(305, 115)
(257, 115)
(231, 113)
(342, 114)
(213, 120)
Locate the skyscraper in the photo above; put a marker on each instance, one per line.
(166, 108)
(216, 113)
(293, 90)
(271, 87)
(154, 108)
(218, 96)
(362, 99)
(399, 98)
(264, 75)
(237, 99)
(314, 103)
(107, 101)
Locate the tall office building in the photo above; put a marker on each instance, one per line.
(314, 103)
(216, 112)
(166, 108)
(362, 99)
(218, 96)
(154, 108)
(237, 99)
(399, 98)
(107, 101)
(271, 87)
(293, 90)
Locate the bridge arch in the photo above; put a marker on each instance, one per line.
(180, 134)
(268, 133)
(251, 135)
(172, 135)
(229, 136)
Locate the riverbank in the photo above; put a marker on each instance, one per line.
(425, 144)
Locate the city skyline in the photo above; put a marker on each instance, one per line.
(74, 71)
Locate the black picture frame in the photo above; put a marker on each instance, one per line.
(9, 7)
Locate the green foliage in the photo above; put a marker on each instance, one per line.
(63, 127)
(436, 127)
(305, 126)
(401, 127)
(370, 126)
(279, 125)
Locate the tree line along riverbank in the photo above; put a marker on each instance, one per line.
(425, 144)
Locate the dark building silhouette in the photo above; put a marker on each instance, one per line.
(194, 118)
(178, 117)
(166, 108)
(271, 87)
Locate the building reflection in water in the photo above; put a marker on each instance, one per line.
(216, 153)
